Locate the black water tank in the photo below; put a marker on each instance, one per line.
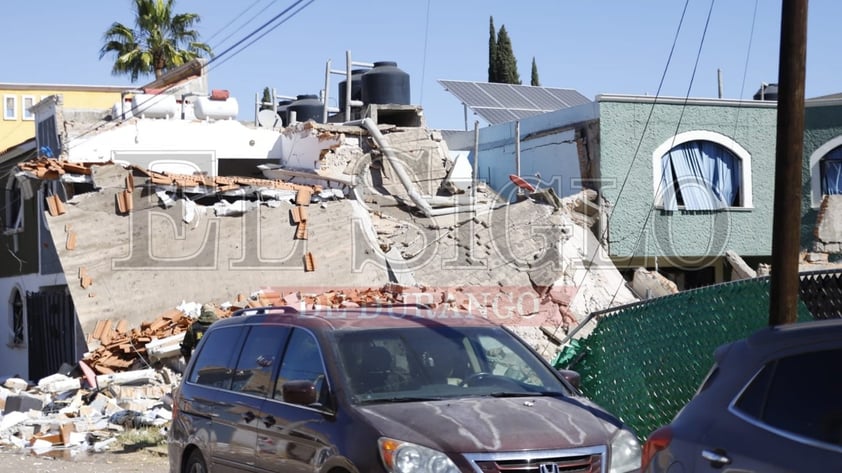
(767, 92)
(385, 83)
(283, 105)
(306, 107)
(356, 88)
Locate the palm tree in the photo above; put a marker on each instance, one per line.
(159, 42)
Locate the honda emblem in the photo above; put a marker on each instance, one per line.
(548, 468)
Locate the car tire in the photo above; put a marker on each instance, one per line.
(195, 463)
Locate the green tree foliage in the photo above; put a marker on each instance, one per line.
(506, 63)
(266, 101)
(534, 82)
(492, 51)
(160, 40)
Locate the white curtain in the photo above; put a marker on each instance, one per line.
(831, 169)
(706, 174)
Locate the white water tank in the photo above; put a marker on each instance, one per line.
(208, 108)
(154, 106)
(120, 109)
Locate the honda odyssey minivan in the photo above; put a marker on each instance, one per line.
(388, 389)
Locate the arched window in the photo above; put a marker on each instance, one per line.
(826, 171)
(830, 172)
(701, 171)
(13, 215)
(16, 316)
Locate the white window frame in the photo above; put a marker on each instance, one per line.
(815, 170)
(13, 323)
(26, 113)
(14, 114)
(16, 226)
(704, 135)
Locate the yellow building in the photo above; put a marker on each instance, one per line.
(18, 123)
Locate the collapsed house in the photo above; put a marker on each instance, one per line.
(333, 215)
(148, 212)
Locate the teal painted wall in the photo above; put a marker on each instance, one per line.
(631, 130)
(821, 124)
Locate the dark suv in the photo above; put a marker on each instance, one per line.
(772, 403)
(397, 389)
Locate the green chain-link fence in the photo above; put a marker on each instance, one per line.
(644, 361)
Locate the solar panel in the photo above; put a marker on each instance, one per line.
(501, 103)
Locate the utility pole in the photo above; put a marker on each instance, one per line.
(786, 224)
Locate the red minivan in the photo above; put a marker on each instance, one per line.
(389, 389)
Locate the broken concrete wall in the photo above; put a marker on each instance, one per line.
(150, 259)
(828, 231)
(549, 153)
(650, 284)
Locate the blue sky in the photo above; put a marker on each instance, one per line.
(593, 46)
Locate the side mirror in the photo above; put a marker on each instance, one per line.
(572, 377)
(299, 392)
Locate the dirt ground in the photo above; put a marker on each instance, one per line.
(148, 460)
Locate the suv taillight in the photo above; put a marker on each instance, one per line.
(657, 441)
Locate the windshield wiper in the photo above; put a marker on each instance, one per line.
(524, 393)
(399, 399)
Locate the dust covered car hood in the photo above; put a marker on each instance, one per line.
(488, 424)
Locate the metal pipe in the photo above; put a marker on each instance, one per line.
(369, 125)
(517, 153)
(348, 84)
(326, 93)
(416, 198)
(475, 166)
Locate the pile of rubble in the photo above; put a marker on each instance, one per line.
(126, 381)
(77, 412)
(157, 342)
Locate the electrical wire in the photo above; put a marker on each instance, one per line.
(211, 64)
(745, 67)
(604, 232)
(273, 28)
(233, 20)
(424, 55)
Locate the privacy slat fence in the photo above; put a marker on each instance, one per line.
(644, 361)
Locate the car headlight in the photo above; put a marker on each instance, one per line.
(625, 452)
(405, 457)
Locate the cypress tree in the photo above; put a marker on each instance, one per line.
(506, 62)
(492, 51)
(535, 82)
(267, 99)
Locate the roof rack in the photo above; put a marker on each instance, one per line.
(284, 309)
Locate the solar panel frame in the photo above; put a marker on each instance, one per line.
(500, 103)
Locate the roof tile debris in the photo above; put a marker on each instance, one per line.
(51, 168)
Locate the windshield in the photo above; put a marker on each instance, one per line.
(428, 363)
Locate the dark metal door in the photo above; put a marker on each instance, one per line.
(51, 324)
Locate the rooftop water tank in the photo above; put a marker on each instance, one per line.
(154, 106)
(385, 83)
(216, 109)
(306, 107)
(283, 105)
(356, 87)
(767, 92)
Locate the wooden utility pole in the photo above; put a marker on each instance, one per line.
(786, 224)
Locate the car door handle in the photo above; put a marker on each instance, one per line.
(248, 416)
(268, 421)
(716, 457)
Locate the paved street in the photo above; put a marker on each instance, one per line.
(147, 461)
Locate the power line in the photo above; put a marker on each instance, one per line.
(212, 63)
(233, 20)
(604, 232)
(273, 28)
(424, 56)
